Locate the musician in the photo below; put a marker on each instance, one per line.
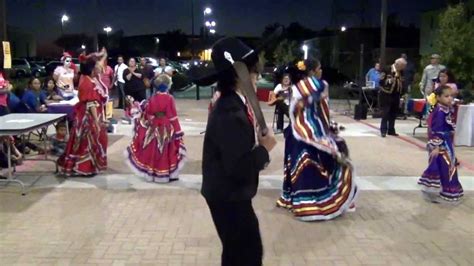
(391, 83)
(282, 102)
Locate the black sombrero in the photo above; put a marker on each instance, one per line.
(226, 51)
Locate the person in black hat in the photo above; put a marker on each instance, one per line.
(233, 155)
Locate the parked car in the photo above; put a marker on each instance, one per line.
(51, 66)
(21, 68)
(37, 70)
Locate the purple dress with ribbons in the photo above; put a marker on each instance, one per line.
(441, 176)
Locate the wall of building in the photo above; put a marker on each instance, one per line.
(22, 44)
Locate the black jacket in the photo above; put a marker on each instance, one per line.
(231, 162)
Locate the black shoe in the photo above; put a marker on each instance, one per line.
(383, 135)
(393, 134)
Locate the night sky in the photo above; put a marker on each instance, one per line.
(234, 17)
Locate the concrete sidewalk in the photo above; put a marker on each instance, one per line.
(119, 219)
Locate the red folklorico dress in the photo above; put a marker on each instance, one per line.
(86, 150)
(157, 150)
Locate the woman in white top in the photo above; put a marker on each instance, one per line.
(64, 77)
(283, 93)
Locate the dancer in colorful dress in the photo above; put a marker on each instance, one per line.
(440, 179)
(86, 150)
(157, 150)
(318, 182)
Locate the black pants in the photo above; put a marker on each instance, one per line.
(237, 227)
(283, 110)
(120, 88)
(138, 95)
(389, 105)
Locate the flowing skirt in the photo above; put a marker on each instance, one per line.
(315, 186)
(441, 178)
(86, 150)
(156, 151)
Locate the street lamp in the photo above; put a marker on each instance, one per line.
(107, 30)
(305, 49)
(207, 11)
(343, 28)
(83, 47)
(212, 31)
(213, 23)
(64, 19)
(208, 24)
(157, 40)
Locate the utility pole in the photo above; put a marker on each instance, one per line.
(192, 29)
(361, 66)
(95, 34)
(3, 21)
(383, 34)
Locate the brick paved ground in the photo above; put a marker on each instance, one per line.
(173, 227)
(110, 220)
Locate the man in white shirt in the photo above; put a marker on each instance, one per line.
(161, 69)
(429, 73)
(164, 69)
(119, 82)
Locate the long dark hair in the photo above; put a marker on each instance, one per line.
(30, 82)
(87, 67)
(227, 79)
(449, 73)
(305, 67)
(46, 81)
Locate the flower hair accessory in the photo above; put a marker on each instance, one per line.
(301, 66)
(432, 99)
(65, 55)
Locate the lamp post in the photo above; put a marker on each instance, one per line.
(64, 19)
(383, 33)
(157, 48)
(107, 30)
(305, 50)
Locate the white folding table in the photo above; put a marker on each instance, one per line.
(464, 135)
(19, 124)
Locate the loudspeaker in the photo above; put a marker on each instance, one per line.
(360, 112)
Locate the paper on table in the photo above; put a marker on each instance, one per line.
(73, 101)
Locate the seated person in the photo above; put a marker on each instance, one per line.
(52, 92)
(374, 75)
(4, 90)
(16, 156)
(33, 99)
(59, 140)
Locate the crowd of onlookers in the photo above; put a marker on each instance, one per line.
(123, 79)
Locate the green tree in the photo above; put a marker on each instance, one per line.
(454, 42)
(286, 51)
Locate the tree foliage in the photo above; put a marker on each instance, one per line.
(454, 43)
(286, 51)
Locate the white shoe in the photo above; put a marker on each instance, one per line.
(352, 208)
